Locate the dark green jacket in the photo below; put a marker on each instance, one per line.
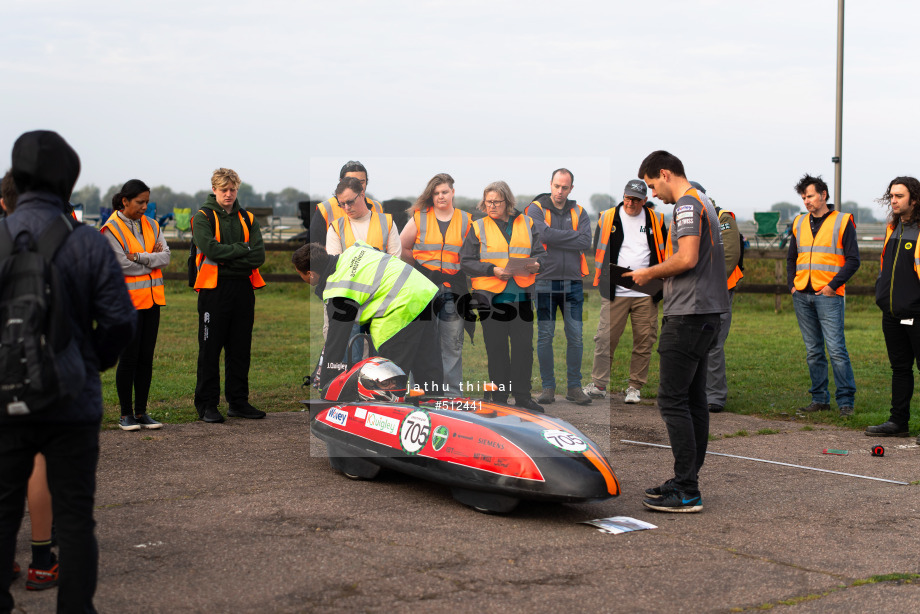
(234, 257)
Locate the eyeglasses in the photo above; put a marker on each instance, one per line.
(494, 203)
(349, 203)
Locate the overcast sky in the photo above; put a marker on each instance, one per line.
(285, 92)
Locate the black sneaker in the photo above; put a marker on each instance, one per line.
(211, 414)
(675, 501)
(715, 409)
(528, 403)
(887, 429)
(245, 411)
(128, 423)
(657, 492)
(147, 422)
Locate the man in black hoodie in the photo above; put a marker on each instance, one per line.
(897, 293)
(45, 169)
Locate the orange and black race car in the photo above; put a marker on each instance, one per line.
(491, 455)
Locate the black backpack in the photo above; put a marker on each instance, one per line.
(193, 249)
(41, 366)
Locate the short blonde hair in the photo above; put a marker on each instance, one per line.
(504, 190)
(223, 177)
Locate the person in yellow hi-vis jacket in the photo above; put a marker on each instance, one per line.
(366, 286)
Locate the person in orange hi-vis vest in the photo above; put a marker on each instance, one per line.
(823, 255)
(565, 231)
(716, 379)
(231, 250)
(330, 210)
(431, 242)
(502, 292)
(630, 235)
(141, 251)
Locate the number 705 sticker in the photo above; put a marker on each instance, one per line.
(565, 441)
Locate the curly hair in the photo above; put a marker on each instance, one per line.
(913, 186)
(808, 180)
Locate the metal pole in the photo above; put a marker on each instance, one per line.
(838, 147)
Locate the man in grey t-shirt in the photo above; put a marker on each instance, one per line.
(695, 294)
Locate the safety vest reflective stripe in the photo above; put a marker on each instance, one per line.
(605, 221)
(377, 233)
(444, 254)
(492, 239)
(389, 293)
(576, 213)
(145, 290)
(820, 257)
(331, 210)
(207, 268)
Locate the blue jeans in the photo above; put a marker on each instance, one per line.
(821, 322)
(569, 297)
(449, 325)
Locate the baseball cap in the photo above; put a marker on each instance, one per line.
(636, 188)
(697, 185)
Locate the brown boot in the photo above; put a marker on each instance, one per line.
(547, 396)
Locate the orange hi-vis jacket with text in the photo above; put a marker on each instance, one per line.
(435, 251)
(820, 257)
(605, 221)
(207, 268)
(145, 290)
(576, 213)
(496, 250)
(735, 276)
(377, 232)
(331, 210)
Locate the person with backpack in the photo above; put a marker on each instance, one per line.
(43, 570)
(230, 251)
(141, 250)
(52, 402)
(733, 246)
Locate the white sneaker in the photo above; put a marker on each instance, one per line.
(594, 392)
(632, 395)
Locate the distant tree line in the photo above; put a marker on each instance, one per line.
(788, 211)
(282, 203)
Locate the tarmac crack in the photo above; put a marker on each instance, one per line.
(894, 579)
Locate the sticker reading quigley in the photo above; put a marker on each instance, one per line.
(565, 441)
(337, 415)
(414, 431)
(683, 208)
(439, 438)
(385, 424)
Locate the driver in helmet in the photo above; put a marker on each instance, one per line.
(372, 288)
(382, 380)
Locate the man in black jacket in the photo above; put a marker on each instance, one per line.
(631, 235)
(45, 169)
(897, 293)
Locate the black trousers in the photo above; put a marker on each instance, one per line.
(135, 365)
(683, 347)
(507, 330)
(225, 318)
(72, 453)
(417, 349)
(903, 345)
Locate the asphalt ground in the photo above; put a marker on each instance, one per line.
(248, 516)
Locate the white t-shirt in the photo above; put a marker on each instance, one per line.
(634, 253)
(360, 228)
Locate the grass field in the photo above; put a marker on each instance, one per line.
(765, 354)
